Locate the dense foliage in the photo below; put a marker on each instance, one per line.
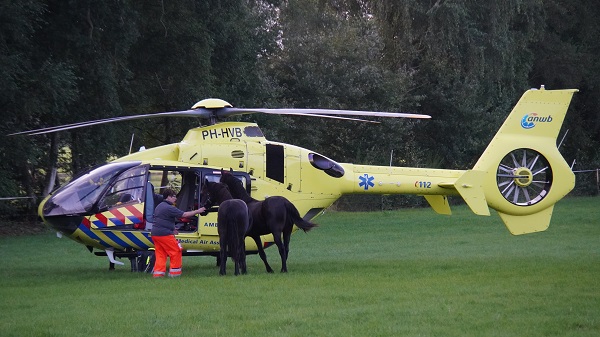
(464, 62)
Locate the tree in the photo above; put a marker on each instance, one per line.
(191, 50)
(567, 57)
(33, 87)
(471, 62)
(70, 62)
(331, 58)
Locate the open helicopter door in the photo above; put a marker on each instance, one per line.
(122, 205)
(185, 182)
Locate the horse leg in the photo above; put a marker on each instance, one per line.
(223, 254)
(287, 233)
(240, 258)
(243, 258)
(235, 257)
(237, 266)
(282, 252)
(241, 254)
(261, 253)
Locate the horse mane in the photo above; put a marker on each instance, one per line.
(219, 190)
(236, 187)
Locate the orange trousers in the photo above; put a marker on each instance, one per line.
(166, 246)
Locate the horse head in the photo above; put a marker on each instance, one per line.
(235, 186)
(213, 194)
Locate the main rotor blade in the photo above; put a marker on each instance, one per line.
(335, 117)
(215, 113)
(202, 113)
(312, 112)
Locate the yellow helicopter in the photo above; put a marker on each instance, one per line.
(521, 175)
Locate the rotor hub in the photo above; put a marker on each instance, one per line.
(212, 103)
(523, 176)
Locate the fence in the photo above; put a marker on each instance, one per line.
(588, 182)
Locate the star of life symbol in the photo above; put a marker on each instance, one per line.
(366, 181)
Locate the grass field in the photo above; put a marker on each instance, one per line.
(400, 273)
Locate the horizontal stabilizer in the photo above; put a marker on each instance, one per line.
(470, 187)
(439, 203)
(525, 224)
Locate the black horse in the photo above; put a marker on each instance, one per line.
(233, 221)
(275, 215)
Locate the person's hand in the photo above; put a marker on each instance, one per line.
(203, 211)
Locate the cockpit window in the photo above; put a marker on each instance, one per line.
(80, 195)
(127, 188)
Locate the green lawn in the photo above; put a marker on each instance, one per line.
(400, 273)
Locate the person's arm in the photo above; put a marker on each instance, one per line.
(189, 214)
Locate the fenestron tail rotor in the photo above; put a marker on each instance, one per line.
(524, 177)
(214, 109)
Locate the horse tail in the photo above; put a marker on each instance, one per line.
(232, 235)
(238, 224)
(293, 213)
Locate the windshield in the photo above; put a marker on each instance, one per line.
(82, 193)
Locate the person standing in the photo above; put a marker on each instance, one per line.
(163, 234)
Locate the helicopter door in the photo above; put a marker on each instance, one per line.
(293, 161)
(122, 205)
(185, 183)
(283, 165)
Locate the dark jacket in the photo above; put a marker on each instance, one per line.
(165, 215)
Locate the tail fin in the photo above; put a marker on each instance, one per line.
(524, 173)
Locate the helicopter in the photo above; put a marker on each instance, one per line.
(521, 174)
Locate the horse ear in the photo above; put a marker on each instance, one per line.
(205, 182)
(230, 170)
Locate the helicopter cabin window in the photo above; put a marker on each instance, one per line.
(275, 164)
(82, 193)
(184, 182)
(216, 177)
(128, 188)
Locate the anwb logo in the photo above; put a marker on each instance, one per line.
(530, 120)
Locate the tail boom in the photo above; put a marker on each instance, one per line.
(521, 174)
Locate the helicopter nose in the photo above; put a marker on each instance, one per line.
(64, 223)
(66, 208)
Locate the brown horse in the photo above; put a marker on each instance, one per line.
(275, 215)
(233, 221)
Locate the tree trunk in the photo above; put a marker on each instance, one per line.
(52, 167)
